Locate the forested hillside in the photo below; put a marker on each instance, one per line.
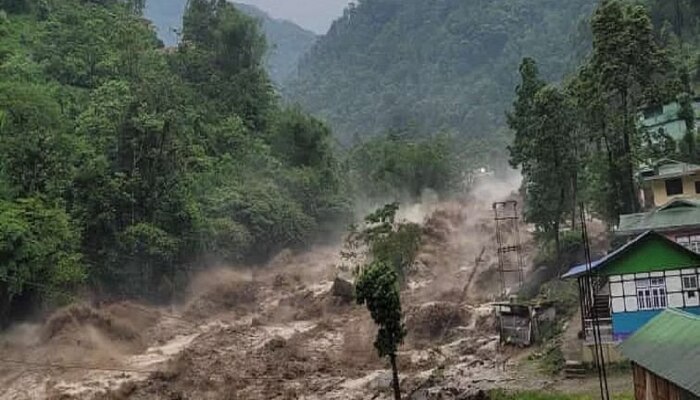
(579, 142)
(123, 166)
(287, 42)
(435, 65)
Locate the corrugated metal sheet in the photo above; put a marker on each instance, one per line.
(581, 269)
(679, 213)
(667, 168)
(669, 346)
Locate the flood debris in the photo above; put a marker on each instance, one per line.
(292, 330)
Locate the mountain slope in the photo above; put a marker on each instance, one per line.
(287, 42)
(432, 65)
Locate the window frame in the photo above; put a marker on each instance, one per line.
(667, 182)
(651, 294)
(687, 288)
(690, 242)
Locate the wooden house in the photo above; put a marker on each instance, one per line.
(665, 357)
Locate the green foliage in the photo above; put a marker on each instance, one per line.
(377, 287)
(545, 151)
(15, 6)
(582, 144)
(396, 166)
(627, 69)
(432, 65)
(288, 43)
(503, 395)
(221, 56)
(550, 357)
(149, 162)
(38, 243)
(387, 241)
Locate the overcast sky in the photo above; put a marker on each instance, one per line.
(315, 15)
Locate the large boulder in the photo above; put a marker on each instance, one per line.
(343, 289)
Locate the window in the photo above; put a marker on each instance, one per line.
(651, 293)
(690, 285)
(697, 186)
(690, 242)
(674, 186)
(653, 112)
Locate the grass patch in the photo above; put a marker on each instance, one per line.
(538, 395)
(550, 358)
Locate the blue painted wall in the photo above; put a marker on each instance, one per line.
(625, 324)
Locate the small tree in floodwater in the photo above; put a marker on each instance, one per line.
(377, 286)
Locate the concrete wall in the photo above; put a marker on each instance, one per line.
(658, 187)
(627, 316)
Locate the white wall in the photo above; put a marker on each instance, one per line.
(623, 290)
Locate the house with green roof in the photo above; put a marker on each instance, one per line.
(665, 357)
(671, 194)
(635, 283)
(678, 220)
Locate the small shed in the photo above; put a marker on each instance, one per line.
(520, 323)
(665, 356)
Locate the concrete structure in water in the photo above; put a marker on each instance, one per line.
(635, 283)
(665, 357)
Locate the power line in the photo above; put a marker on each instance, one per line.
(590, 293)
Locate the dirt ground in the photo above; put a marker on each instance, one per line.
(279, 332)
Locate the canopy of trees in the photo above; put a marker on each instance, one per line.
(581, 142)
(287, 41)
(436, 65)
(123, 165)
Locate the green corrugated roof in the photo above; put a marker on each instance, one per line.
(667, 168)
(677, 213)
(669, 346)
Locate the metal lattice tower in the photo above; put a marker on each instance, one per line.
(510, 261)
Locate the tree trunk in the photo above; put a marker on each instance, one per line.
(630, 202)
(395, 377)
(574, 198)
(557, 241)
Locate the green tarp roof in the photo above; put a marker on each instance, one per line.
(675, 214)
(667, 168)
(669, 346)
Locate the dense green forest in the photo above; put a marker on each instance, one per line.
(123, 166)
(287, 42)
(126, 166)
(430, 66)
(578, 142)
